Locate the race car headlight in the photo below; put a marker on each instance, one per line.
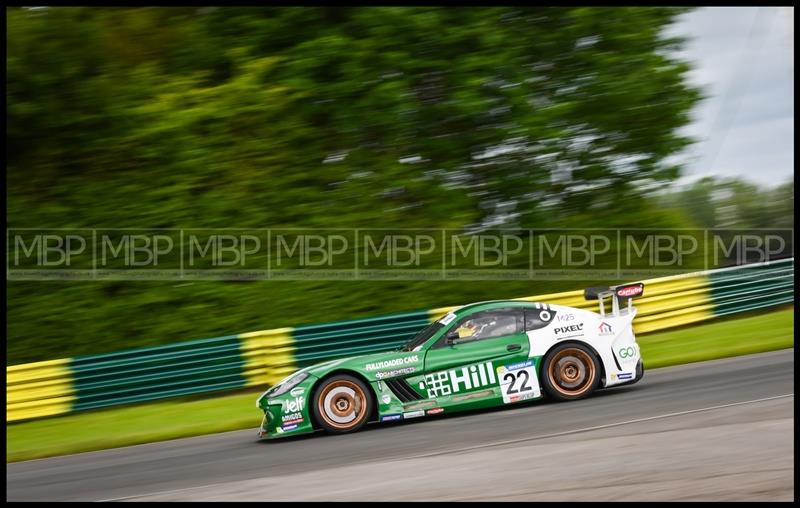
(287, 384)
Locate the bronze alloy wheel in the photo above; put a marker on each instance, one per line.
(342, 404)
(572, 372)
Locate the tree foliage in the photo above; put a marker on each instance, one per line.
(229, 115)
(734, 203)
(323, 117)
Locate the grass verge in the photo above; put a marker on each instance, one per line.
(145, 423)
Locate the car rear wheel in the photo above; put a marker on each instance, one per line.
(342, 404)
(570, 372)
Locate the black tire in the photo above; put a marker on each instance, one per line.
(570, 371)
(341, 404)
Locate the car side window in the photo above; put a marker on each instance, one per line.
(538, 318)
(490, 324)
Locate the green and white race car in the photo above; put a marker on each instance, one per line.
(480, 355)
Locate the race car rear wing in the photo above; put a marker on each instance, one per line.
(616, 293)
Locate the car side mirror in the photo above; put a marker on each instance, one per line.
(451, 337)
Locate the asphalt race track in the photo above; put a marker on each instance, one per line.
(720, 430)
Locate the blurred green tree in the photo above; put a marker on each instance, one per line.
(323, 117)
(513, 116)
(714, 202)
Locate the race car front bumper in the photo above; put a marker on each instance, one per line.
(286, 414)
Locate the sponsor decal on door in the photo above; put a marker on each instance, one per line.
(448, 382)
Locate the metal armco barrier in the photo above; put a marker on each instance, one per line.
(263, 358)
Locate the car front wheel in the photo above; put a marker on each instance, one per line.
(342, 404)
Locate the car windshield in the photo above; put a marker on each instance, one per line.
(422, 336)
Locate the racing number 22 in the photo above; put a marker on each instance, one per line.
(511, 378)
(518, 382)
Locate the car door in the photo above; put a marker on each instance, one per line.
(475, 366)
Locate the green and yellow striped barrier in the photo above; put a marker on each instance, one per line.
(268, 356)
(263, 358)
(39, 389)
